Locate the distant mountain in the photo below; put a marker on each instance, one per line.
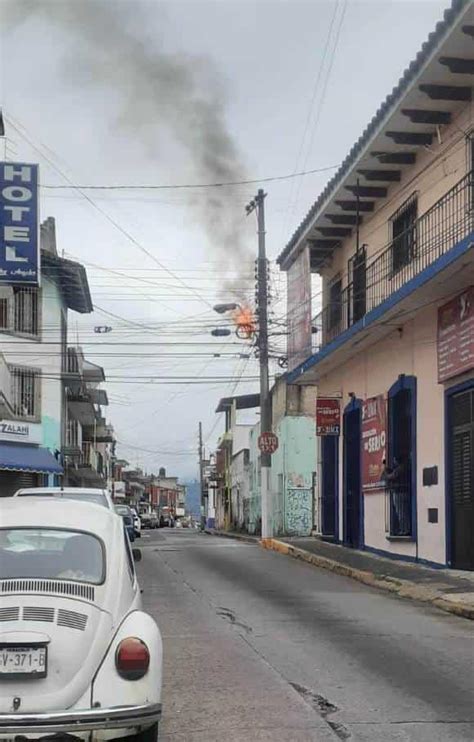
(193, 497)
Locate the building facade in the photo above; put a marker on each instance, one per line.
(392, 237)
(33, 327)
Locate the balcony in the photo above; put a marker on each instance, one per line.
(73, 443)
(418, 251)
(101, 432)
(90, 466)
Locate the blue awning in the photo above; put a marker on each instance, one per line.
(16, 457)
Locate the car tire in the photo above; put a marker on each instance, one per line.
(148, 735)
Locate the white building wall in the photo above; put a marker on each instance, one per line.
(44, 354)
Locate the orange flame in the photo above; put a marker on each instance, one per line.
(245, 321)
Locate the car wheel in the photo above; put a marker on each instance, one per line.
(148, 735)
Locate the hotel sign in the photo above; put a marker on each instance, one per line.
(456, 336)
(13, 431)
(19, 224)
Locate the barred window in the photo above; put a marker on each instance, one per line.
(20, 310)
(26, 386)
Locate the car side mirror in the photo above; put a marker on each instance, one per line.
(137, 555)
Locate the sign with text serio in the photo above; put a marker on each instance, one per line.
(328, 416)
(19, 223)
(374, 425)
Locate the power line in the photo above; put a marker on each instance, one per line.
(110, 219)
(176, 186)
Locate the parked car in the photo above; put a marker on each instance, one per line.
(79, 655)
(89, 494)
(127, 517)
(137, 523)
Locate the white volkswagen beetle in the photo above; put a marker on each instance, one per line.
(78, 656)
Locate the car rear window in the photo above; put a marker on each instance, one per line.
(51, 554)
(81, 497)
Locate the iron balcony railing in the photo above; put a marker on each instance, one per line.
(435, 233)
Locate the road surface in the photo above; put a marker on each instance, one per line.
(259, 646)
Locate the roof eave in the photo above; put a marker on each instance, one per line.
(375, 127)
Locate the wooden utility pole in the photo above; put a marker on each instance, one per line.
(201, 478)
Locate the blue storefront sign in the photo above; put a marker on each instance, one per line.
(19, 223)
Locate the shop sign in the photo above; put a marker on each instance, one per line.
(374, 433)
(11, 430)
(328, 416)
(19, 220)
(456, 336)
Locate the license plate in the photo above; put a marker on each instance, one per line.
(15, 661)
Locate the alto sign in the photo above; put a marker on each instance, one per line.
(13, 431)
(19, 223)
(268, 442)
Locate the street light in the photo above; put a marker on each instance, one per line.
(223, 308)
(221, 332)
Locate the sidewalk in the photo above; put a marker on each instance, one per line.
(450, 590)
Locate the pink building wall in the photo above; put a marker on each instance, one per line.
(411, 351)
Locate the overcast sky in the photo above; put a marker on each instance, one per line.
(124, 92)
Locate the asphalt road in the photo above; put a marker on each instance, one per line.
(259, 646)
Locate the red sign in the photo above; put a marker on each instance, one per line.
(328, 416)
(268, 442)
(456, 336)
(374, 427)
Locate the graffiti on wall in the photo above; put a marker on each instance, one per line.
(298, 511)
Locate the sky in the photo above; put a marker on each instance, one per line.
(132, 93)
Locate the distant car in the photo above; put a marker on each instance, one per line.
(149, 520)
(127, 517)
(79, 658)
(88, 494)
(137, 523)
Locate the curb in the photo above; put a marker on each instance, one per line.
(403, 588)
(236, 536)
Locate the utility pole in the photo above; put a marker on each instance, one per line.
(265, 407)
(201, 478)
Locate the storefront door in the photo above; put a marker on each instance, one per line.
(329, 455)
(352, 477)
(461, 478)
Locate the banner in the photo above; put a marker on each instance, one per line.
(374, 426)
(328, 416)
(19, 223)
(299, 310)
(456, 336)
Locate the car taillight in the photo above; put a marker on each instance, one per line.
(132, 658)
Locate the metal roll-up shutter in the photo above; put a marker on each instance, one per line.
(11, 481)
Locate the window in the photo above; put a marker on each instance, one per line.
(19, 310)
(26, 384)
(356, 269)
(335, 304)
(51, 554)
(404, 234)
(401, 464)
